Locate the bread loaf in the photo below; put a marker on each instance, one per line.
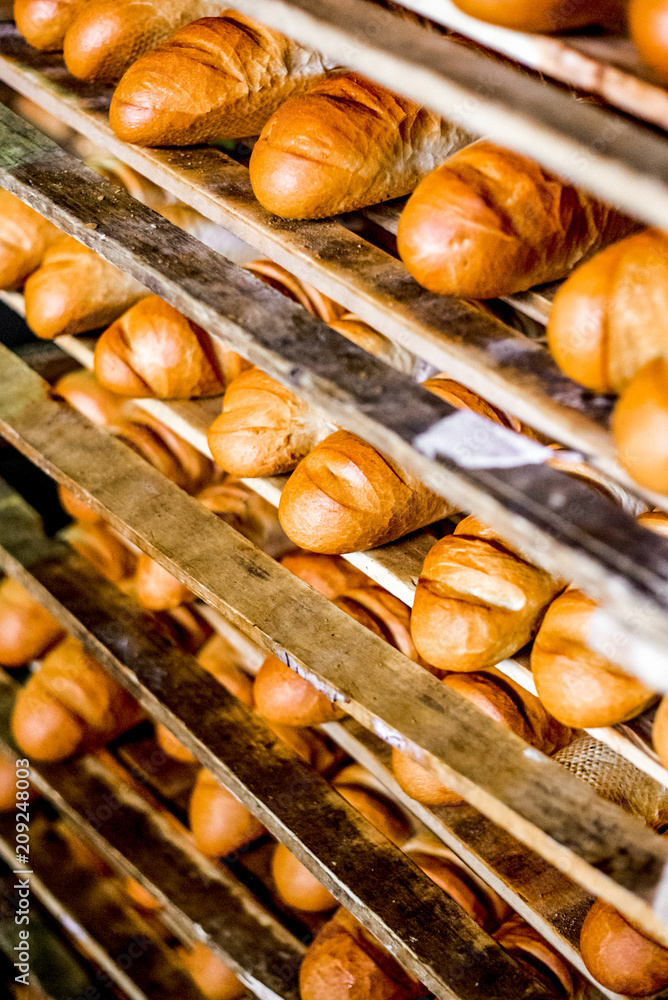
(608, 318)
(264, 429)
(306, 295)
(75, 290)
(640, 426)
(219, 822)
(382, 613)
(579, 687)
(490, 222)
(213, 978)
(107, 36)
(283, 697)
(345, 962)
(330, 575)
(619, 957)
(169, 453)
(346, 497)
(27, 630)
(295, 884)
(70, 705)
(502, 700)
(97, 543)
(648, 24)
(43, 23)
(217, 78)
(25, 236)
(477, 601)
(346, 143)
(8, 785)
(548, 16)
(539, 958)
(82, 390)
(152, 350)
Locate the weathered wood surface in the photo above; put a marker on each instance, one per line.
(555, 814)
(109, 930)
(204, 901)
(566, 529)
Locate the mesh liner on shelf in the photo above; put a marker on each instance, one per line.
(616, 779)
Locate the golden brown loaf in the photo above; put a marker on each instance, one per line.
(345, 962)
(75, 290)
(608, 318)
(382, 613)
(648, 25)
(490, 222)
(97, 543)
(213, 978)
(579, 687)
(330, 575)
(43, 23)
(27, 630)
(154, 350)
(82, 390)
(107, 36)
(78, 509)
(264, 429)
(477, 600)
(219, 822)
(346, 143)
(166, 451)
(24, 239)
(347, 497)
(619, 957)
(538, 957)
(660, 731)
(502, 700)
(296, 885)
(640, 426)
(70, 705)
(217, 78)
(8, 785)
(283, 697)
(299, 291)
(546, 15)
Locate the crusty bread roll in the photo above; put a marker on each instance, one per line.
(75, 290)
(299, 291)
(490, 222)
(70, 705)
(219, 822)
(382, 613)
(283, 697)
(618, 956)
(547, 16)
(154, 350)
(577, 686)
(264, 429)
(346, 143)
(477, 601)
(167, 451)
(366, 794)
(107, 36)
(43, 23)
(330, 575)
(345, 962)
(296, 885)
(539, 958)
(640, 426)
(213, 977)
(648, 24)
(27, 630)
(217, 78)
(25, 237)
(82, 390)
(346, 497)
(78, 509)
(502, 700)
(608, 319)
(97, 543)
(8, 785)
(660, 731)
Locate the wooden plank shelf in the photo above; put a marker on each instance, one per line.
(570, 532)
(535, 799)
(110, 932)
(203, 901)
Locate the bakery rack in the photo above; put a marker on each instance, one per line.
(565, 842)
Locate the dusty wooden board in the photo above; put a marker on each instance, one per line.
(496, 361)
(567, 530)
(529, 795)
(110, 932)
(203, 899)
(420, 924)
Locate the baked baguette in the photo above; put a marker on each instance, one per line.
(82, 390)
(27, 630)
(217, 78)
(549, 16)
(107, 36)
(153, 350)
(619, 957)
(75, 290)
(169, 453)
(43, 23)
(330, 575)
(648, 26)
(539, 958)
(97, 543)
(212, 977)
(640, 426)
(489, 222)
(502, 700)
(70, 705)
(345, 144)
(24, 239)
